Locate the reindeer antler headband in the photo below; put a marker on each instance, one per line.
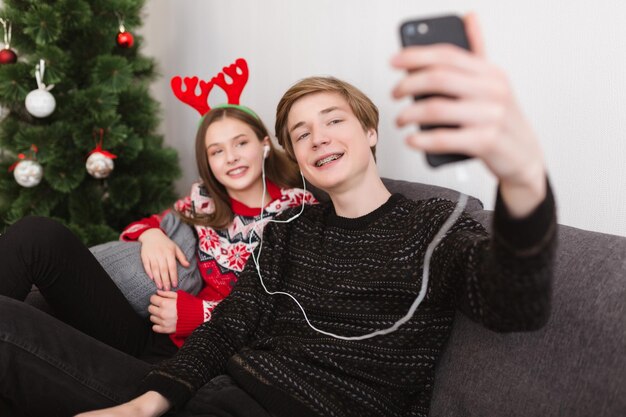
(238, 73)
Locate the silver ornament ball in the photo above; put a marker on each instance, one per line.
(99, 165)
(28, 173)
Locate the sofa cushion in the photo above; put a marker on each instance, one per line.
(419, 191)
(575, 366)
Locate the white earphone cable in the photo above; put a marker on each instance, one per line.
(458, 210)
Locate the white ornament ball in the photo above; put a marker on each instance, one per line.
(40, 103)
(28, 173)
(99, 165)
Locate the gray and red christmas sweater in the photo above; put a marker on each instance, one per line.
(222, 253)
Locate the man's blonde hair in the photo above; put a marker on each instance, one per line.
(362, 107)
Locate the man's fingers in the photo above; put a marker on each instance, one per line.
(452, 83)
(474, 34)
(473, 141)
(442, 111)
(414, 58)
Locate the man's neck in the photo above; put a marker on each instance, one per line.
(360, 197)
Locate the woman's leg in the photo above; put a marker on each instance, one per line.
(42, 252)
(49, 368)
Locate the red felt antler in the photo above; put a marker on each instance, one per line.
(189, 96)
(238, 73)
(239, 80)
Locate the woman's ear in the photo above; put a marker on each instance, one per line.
(266, 147)
(372, 137)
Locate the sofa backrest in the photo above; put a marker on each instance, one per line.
(415, 191)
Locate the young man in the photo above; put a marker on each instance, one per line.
(355, 264)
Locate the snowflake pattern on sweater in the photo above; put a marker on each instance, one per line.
(231, 247)
(221, 253)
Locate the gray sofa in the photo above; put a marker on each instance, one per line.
(574, 366)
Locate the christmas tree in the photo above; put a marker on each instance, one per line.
(87, 50)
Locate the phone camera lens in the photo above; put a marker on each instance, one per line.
(422, 28)
(409, 30)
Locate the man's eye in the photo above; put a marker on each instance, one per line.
(302, 136)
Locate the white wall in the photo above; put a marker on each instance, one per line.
(567, 63)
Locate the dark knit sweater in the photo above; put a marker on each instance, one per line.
(355, 276)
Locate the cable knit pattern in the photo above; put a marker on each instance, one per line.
(355, 276)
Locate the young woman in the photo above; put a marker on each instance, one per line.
(232, 145)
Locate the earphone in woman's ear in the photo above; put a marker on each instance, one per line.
(266, 151)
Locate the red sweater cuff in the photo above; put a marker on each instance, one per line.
(132, 232)
(189, 310)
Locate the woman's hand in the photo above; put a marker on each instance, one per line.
(150, 404)
(163, 311)
(158, 255)
(480, 101)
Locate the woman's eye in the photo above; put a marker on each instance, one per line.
(216, 152)
(335, 121)
(302, 136)
(242, 143)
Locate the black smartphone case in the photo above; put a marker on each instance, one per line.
(444, 29)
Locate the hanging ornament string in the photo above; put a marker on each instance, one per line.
(99, 143)
(124, 39)
(100, 162)
(7, 33)
(33, 156)
(40, 70)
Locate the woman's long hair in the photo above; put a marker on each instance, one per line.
(279, 169)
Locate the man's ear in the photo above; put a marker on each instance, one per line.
(372, 137)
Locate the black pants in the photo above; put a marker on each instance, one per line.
(48, 367)
(42, 252)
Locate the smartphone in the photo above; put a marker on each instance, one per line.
(443, 29)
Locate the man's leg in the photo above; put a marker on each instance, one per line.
(222, 397)
(42, 252)
(48, 368)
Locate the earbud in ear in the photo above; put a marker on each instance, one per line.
(266, 151)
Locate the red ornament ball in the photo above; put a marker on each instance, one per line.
(8, 56)
(125, 39)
